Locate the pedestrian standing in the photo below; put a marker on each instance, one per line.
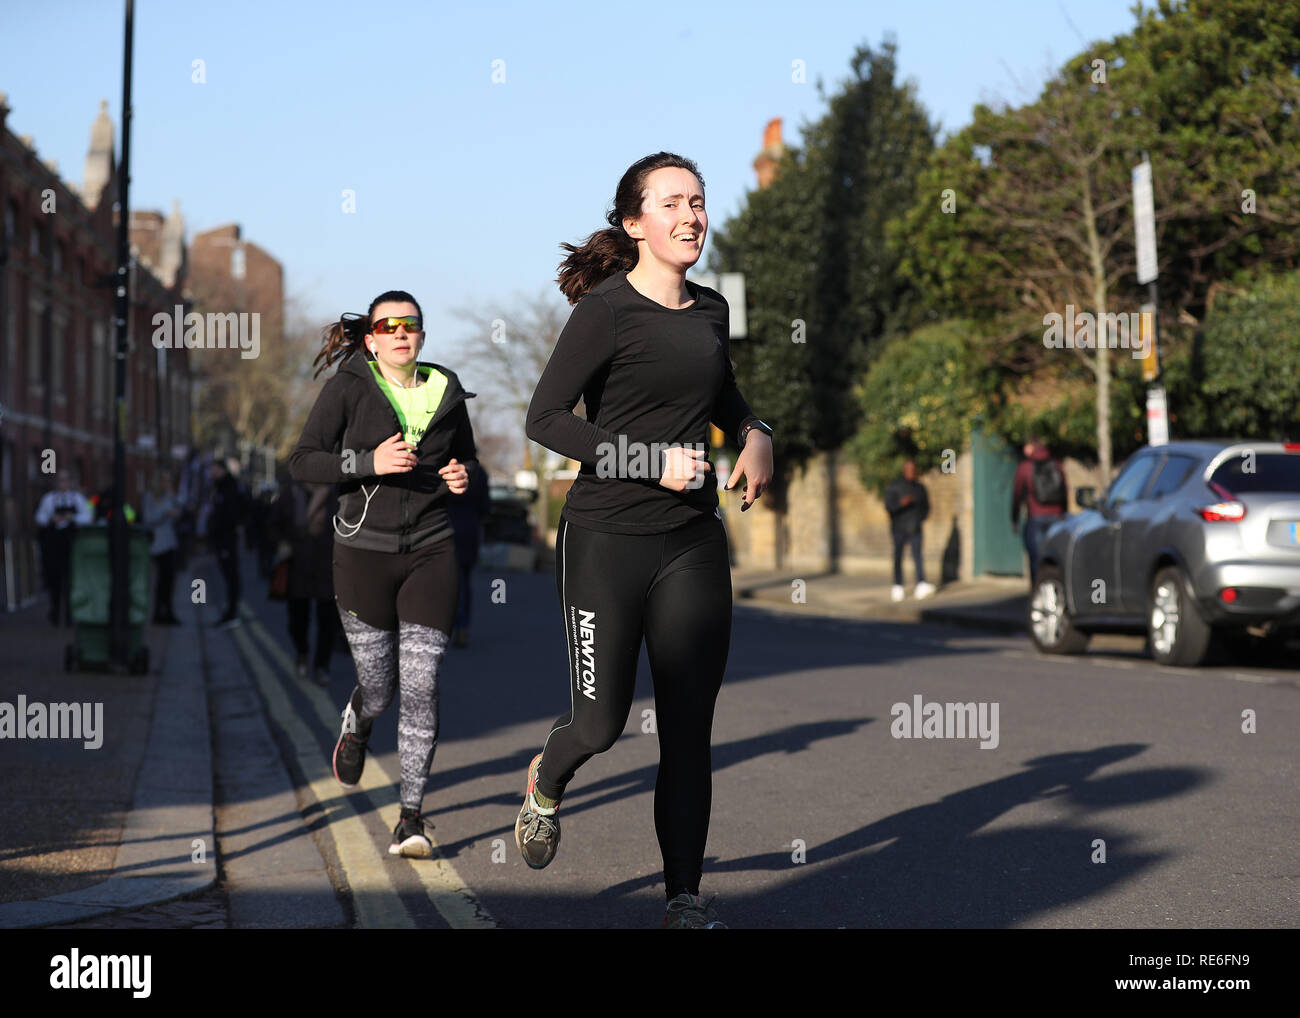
(162, 510)
(58, 514)
(301, 523)
(908, 505)
(225, 514)
(640, 550)
(1040, 487)
(394, 433)
(467, 512)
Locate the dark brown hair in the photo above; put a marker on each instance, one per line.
(611, 250)
(342, 338)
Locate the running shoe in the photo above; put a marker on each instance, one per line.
(691, 912)
(409, 838)
(537, 831)
(322, 677)
(300, 667)
(896, 592)
(350, 750)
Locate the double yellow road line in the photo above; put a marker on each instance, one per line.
(367, 866)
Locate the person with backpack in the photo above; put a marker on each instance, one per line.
(1040, 487)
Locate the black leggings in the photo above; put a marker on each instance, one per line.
(382, 588)
(673, 589)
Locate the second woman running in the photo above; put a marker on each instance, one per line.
(395, 435)
(640, 551)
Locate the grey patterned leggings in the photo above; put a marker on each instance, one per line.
(377, 593)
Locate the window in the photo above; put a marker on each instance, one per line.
(33, 352)
(1273, 471)
(1175, 471)
(11, 221)
(11, 351)
(79, 392)
(58, 334)
(34, 240)
(237, 265)
(97, 363)
(1131, 481)
(58, 258)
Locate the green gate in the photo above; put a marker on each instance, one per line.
(996, 549)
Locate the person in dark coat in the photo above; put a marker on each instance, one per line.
(300, 526)
(467, 511)
(225, 514)
(908, 504)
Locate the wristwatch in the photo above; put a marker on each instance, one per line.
(755, 423)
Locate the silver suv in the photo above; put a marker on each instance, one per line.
(1191, 540)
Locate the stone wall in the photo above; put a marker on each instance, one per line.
(865, 545)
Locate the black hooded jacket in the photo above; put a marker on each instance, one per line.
(351, 418)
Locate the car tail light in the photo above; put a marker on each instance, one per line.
(1229, 509)
(1291, 446)
(1220, 512)
(1228, 594)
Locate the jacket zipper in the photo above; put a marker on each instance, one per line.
(460, 397)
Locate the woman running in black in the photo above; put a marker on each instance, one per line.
(395, 435)
(640, 550)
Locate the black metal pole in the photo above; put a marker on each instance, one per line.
(119, 636)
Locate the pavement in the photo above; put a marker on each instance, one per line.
(994, 604)
(187, 816)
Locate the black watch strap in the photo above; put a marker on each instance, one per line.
(760, 425)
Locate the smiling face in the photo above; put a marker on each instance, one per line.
(673, 222)
(395, 350)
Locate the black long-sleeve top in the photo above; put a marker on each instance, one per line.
(648, 375)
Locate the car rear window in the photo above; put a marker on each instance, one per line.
(1272, 472)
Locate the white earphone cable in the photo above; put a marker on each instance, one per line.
(355, 527)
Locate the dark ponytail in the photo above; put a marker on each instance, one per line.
(611, 250)
(344, 337)
(341, 338)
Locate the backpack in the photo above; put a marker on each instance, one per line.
(1048, 485)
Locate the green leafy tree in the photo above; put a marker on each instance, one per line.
(1251, 357)
(822, 284)
(917, 401)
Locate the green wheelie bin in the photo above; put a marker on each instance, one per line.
(90, 587)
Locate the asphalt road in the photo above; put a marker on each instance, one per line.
(821, 817)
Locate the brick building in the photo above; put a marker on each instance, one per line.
(229, 274)
(58, 254)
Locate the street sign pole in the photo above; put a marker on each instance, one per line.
(1144, 222)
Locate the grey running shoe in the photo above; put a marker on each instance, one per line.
(537, 831)
(350, 750)
(409, 838)
(691, 912)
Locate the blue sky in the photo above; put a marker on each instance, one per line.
(466, 187)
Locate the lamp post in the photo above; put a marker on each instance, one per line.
(119, 560)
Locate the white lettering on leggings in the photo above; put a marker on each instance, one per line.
(587, 633)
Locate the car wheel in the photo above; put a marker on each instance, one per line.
(1049, 622)
(1177, 633)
